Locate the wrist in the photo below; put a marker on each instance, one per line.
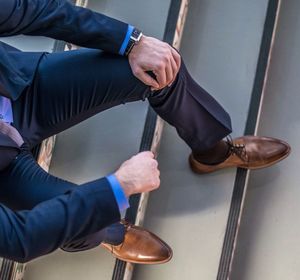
(125, 186)
(138, 49)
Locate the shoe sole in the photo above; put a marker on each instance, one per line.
(145, 263)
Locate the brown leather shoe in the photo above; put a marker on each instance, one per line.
(249, 152)
(140, 246)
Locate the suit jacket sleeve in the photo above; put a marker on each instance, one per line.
(59, 19)
(26, 235)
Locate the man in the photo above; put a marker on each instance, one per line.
(44, 94)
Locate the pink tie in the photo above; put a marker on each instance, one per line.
(11, 132)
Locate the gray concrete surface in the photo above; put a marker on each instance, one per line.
(220, 47)
(268, 245)
(28, 43)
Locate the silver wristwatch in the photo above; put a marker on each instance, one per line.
(135, 37)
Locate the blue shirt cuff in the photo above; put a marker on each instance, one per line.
(126, 40)
(119, 194)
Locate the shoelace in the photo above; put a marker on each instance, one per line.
(237, 149)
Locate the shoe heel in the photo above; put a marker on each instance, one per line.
(200, 168)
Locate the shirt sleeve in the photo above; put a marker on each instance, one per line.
(118, 192)
(126, 40)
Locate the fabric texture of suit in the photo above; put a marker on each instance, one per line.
(29, 234)
(57, 19)
(49, 95)
(43, 212)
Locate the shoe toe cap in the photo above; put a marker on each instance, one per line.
(266, 150)
(152, 249)
(276, 149)
(143, 247)
(160, 251)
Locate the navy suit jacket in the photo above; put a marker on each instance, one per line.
(58, 19)
(29, 234)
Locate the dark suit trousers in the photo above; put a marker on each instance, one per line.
(70, 87)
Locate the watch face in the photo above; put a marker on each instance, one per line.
(135, 33)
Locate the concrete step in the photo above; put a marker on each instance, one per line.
(221, 46)
(268, 244)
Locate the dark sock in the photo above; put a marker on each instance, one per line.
(115, 234)
(214, 155)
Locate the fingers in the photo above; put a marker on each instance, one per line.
(170, 70)
(155, 183)
(147, 154)
(161, 75)
(154, 163)
(151, 173)
(145, 78)
(167, 69)
(177, 58)
(155, 175)
(176, 64)
(158, 57)
(175, 71)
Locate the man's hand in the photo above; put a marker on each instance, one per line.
(139, 174)
(151, 54)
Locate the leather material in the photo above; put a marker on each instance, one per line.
(140, 246)
(255, 153)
